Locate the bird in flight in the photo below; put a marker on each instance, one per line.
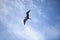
(27, 17)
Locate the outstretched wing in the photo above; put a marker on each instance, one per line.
(27, 13)
(24, 21)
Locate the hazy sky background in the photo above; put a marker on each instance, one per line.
(45, 23)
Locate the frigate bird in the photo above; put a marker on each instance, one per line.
(27, 17)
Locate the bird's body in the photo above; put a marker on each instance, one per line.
(27, 17)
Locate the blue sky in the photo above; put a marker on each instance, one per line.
(44, 23)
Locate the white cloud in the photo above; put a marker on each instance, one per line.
(42, 14)
(3, 9)
(28, 33)
(18, 29)
(50, 31)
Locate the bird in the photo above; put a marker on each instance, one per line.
(27, 17)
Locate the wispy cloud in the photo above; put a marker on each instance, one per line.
(28, 33)
(14, 24)
(50, 32)
(12, 14)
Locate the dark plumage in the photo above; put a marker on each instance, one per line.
(27, 17)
